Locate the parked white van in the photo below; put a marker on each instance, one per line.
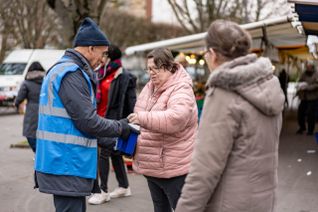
(15, 66)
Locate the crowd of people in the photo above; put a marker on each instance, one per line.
(226, 162)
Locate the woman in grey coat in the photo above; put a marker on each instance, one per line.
(234, 165)
(30, 90)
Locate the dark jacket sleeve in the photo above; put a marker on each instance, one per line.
(22, 94)
(75, 95)
(130, 96)
(313, 85)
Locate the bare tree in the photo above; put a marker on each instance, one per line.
(196, 15)
(4, 26)
(126, 30)
(72, 12)
(26, 23)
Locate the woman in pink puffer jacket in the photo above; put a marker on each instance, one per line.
(167, 114)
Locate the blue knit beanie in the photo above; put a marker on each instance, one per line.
(89, 34)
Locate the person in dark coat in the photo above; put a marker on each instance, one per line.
(307, 91)
(116, 97)
(30, 91)
(68, 128)
(283, 81)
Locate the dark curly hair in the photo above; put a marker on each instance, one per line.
(114, 52)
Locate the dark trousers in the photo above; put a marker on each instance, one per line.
(118, 165)
(69, 204)
(307, 112)
(165, 192)
(32, 143)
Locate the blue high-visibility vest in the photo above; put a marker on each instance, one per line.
(62, 149)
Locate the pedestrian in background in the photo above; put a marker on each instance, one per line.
(66, 156)
(167, 114)
(30, 91)
(234, 165)
(116, 97)
(283, 81)
(307, 91)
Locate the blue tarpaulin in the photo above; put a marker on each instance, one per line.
(307, 11)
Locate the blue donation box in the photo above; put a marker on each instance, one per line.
(128, 146)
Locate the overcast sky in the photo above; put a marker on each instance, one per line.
(162, 12)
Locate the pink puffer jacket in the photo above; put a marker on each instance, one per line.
(168, 120)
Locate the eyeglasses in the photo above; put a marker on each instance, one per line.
(155, 70)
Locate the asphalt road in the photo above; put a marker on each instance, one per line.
(16, 179)
(297, 189)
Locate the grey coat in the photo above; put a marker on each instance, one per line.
(234, 165)
(30, 90)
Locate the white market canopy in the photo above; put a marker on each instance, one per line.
(308, 2)
(282, 32)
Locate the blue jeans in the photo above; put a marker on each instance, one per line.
(32, 143)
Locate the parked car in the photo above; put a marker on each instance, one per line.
(15, 66)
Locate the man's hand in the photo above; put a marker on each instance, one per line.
(125, 129)
(133, 118)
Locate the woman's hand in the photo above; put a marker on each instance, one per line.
(133, 118)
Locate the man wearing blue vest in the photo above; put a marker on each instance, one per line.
(66, 157)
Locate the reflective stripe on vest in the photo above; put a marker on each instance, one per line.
(55, 111)
(61, 112)
(68, 139)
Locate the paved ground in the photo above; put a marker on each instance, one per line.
(298, 171)
(16, 179)
(297, 189)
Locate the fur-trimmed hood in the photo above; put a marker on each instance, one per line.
(36, 76)
(253, 79)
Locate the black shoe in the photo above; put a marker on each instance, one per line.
(310, 133)
(300, 131)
